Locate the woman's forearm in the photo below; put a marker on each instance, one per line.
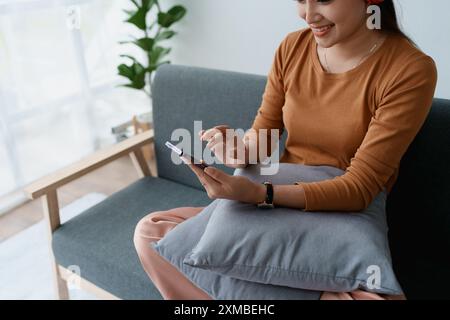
(291, 196)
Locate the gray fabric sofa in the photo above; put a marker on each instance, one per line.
(100, 240)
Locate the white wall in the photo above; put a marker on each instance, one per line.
(428, 24)
(242, 35)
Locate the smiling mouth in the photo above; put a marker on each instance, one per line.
(323, 28)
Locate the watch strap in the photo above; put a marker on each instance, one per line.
(269, 192)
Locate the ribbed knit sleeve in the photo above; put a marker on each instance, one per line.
(270, 115)
(404, 106)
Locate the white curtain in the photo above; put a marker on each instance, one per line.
(59, 97)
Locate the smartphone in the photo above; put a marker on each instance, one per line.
(182, 154)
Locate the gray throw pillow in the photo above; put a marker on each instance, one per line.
(325, 251)
(177, 243)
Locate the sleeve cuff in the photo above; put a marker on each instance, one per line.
(308, 195)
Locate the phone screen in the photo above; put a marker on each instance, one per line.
(182, 154)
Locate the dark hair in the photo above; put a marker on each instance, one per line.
(389, 21)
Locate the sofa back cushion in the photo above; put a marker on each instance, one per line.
(418, 210)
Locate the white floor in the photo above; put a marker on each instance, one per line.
(25, 269)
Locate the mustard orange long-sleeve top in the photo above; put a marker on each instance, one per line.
(361, 121)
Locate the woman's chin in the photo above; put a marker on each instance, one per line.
(329, 40)
(324, 43)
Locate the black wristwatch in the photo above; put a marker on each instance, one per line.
(268, 202)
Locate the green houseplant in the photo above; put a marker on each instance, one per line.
(153, 34)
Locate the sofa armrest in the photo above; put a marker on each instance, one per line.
(100, 158)
(48, 185)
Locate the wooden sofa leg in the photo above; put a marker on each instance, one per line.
(51, 214)
(140, 163)
(61, 288)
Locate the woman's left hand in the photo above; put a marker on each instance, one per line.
(220, 185)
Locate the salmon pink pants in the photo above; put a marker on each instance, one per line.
(171, 283)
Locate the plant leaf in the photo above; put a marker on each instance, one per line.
(139, 79)
(135, 73)
(171, 16)
(138, 69)
(177, 12)
(129, 57)
(134, 85)
(148, 4)
(164, 62)
(138, 19)
(167, 34)
(129, 12)
(135, 3)
(128, 41)
(125, 71)
(145, 43)
(164, 20)
(153, 67)
(157, 54)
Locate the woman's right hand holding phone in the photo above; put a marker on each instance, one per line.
(226, 145)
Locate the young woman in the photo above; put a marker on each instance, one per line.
(349, 96)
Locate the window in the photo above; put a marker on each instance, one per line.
(59, 94)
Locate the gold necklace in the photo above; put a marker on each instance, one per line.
(357, 64)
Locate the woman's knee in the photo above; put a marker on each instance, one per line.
(157, 224)
(143, 232)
